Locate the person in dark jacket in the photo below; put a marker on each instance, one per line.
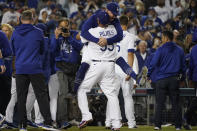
(5, 72)
(193, 80)
(28, 46)
(170, 64)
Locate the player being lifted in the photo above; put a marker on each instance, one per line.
(112, 10)
(101, 71)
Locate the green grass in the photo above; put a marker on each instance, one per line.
(94, 128)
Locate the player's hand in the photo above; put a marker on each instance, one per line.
(127, 78)
(102, 42)
(135, 86)
(3, 69)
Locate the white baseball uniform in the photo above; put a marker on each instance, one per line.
(125, 46)
(101, 71)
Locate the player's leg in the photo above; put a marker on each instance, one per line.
(125, 67)
(12, 103)
(30, 102)
(128, 102)
(38, 116)
(80, 75)
(108, 123)
(53, 94)
(110, 86)
(92, 77)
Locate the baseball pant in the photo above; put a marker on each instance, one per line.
(127, 91)
(41, 93)
(102, 73)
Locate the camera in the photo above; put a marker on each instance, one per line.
(65, 30)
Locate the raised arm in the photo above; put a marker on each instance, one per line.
(90, 23)
(118, 37)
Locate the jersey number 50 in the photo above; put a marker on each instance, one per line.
(107, 47)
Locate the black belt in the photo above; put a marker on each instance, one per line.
(103, 60)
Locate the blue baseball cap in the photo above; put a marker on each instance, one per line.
(12, 5)
(103, 17)
(114, 8)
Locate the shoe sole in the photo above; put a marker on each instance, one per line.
(50, 129)
(66, 127)
(85, 124)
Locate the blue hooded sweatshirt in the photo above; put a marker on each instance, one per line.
(6, 51)
(193, 64)
(169, 60)
(28, 45)
(92, 23)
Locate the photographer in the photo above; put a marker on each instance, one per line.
(67, 58)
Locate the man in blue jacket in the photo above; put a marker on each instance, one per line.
(5, 72)
(170, 64)
(193, 79)
(28, 45)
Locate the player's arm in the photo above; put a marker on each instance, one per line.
(118, 37)
(90, 23)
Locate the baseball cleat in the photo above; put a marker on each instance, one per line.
(32, 124)
(65, 125)
(83, 124)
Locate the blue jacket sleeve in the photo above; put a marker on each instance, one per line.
(1, 62)
(118, 37)
(90, 23)
(155, 60)
(191, 66)
(5, 45)
(183, 65)
(75, 44)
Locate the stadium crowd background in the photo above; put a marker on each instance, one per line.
(147, 19)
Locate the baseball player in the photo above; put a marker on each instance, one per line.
(101, 71)
(126, 48)
(113, 11)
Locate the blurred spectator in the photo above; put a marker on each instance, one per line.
(178, 8)
(10, 17)
(47, 9)
(163, 12)
(7, 29)
(141, 54)
(187, 43)
(44, 17)
(192, 11)
(193, 82)
(73, 6)
(91, 5)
